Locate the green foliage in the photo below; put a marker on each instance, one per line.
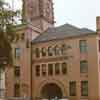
(7, 21)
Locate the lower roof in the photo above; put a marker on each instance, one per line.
(61, 32)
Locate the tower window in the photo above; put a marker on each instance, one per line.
(72, 87)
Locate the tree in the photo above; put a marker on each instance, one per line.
(7, 23)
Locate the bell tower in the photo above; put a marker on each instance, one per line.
(39, 13)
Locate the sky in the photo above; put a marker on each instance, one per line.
(81, 13)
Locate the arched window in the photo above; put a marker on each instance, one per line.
(64, 68)
(43, 51)
(37, 52)
(50, 51)
(56, 50)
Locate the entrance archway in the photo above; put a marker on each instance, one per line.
(51, 90)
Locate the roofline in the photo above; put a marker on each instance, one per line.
(94, 33)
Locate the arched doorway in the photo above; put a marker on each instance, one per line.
(51, 90)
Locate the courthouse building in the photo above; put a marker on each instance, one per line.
(51, 61)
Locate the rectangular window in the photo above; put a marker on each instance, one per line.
(37, 52)
(2, 82)
(43, 51)
(17, 53)
(17, 90)
(37, 70)
(50, 51)
(83, 66)
(84, 88)
(57, 68)
(17, 71)
(43, 69)
(64, 68)
(99, 45)
(72, 87)
(50, 69)
(83, 46)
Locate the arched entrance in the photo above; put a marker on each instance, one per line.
(51, 90)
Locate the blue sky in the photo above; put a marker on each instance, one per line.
(81, 13)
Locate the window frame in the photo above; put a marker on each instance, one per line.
(72, 87)
(64, 68)
(50, 69)
(44, 71)
(17, 90)
(37, 70)
(37, 52)
(84, 88)
(57, 68)
(17, 71)
(83, 66)
(17, 53)
(83, 46)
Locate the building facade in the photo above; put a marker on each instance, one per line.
(49, 62)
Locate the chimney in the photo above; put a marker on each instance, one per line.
(98, 24)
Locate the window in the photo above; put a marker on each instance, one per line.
(43, 50)
(2, 82)
(72, 87)
(57, 68)
(83, 66)
(56, 50)
(37, 70)
(43, 69)
(50, 69)
(50, 52)
(63, 49)
(83, 46)
(37, 52)
(17, 71)
(22, 36)
(84, 88)
(17, 53)
(99, 45)
(17, 90)
(64, 68)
